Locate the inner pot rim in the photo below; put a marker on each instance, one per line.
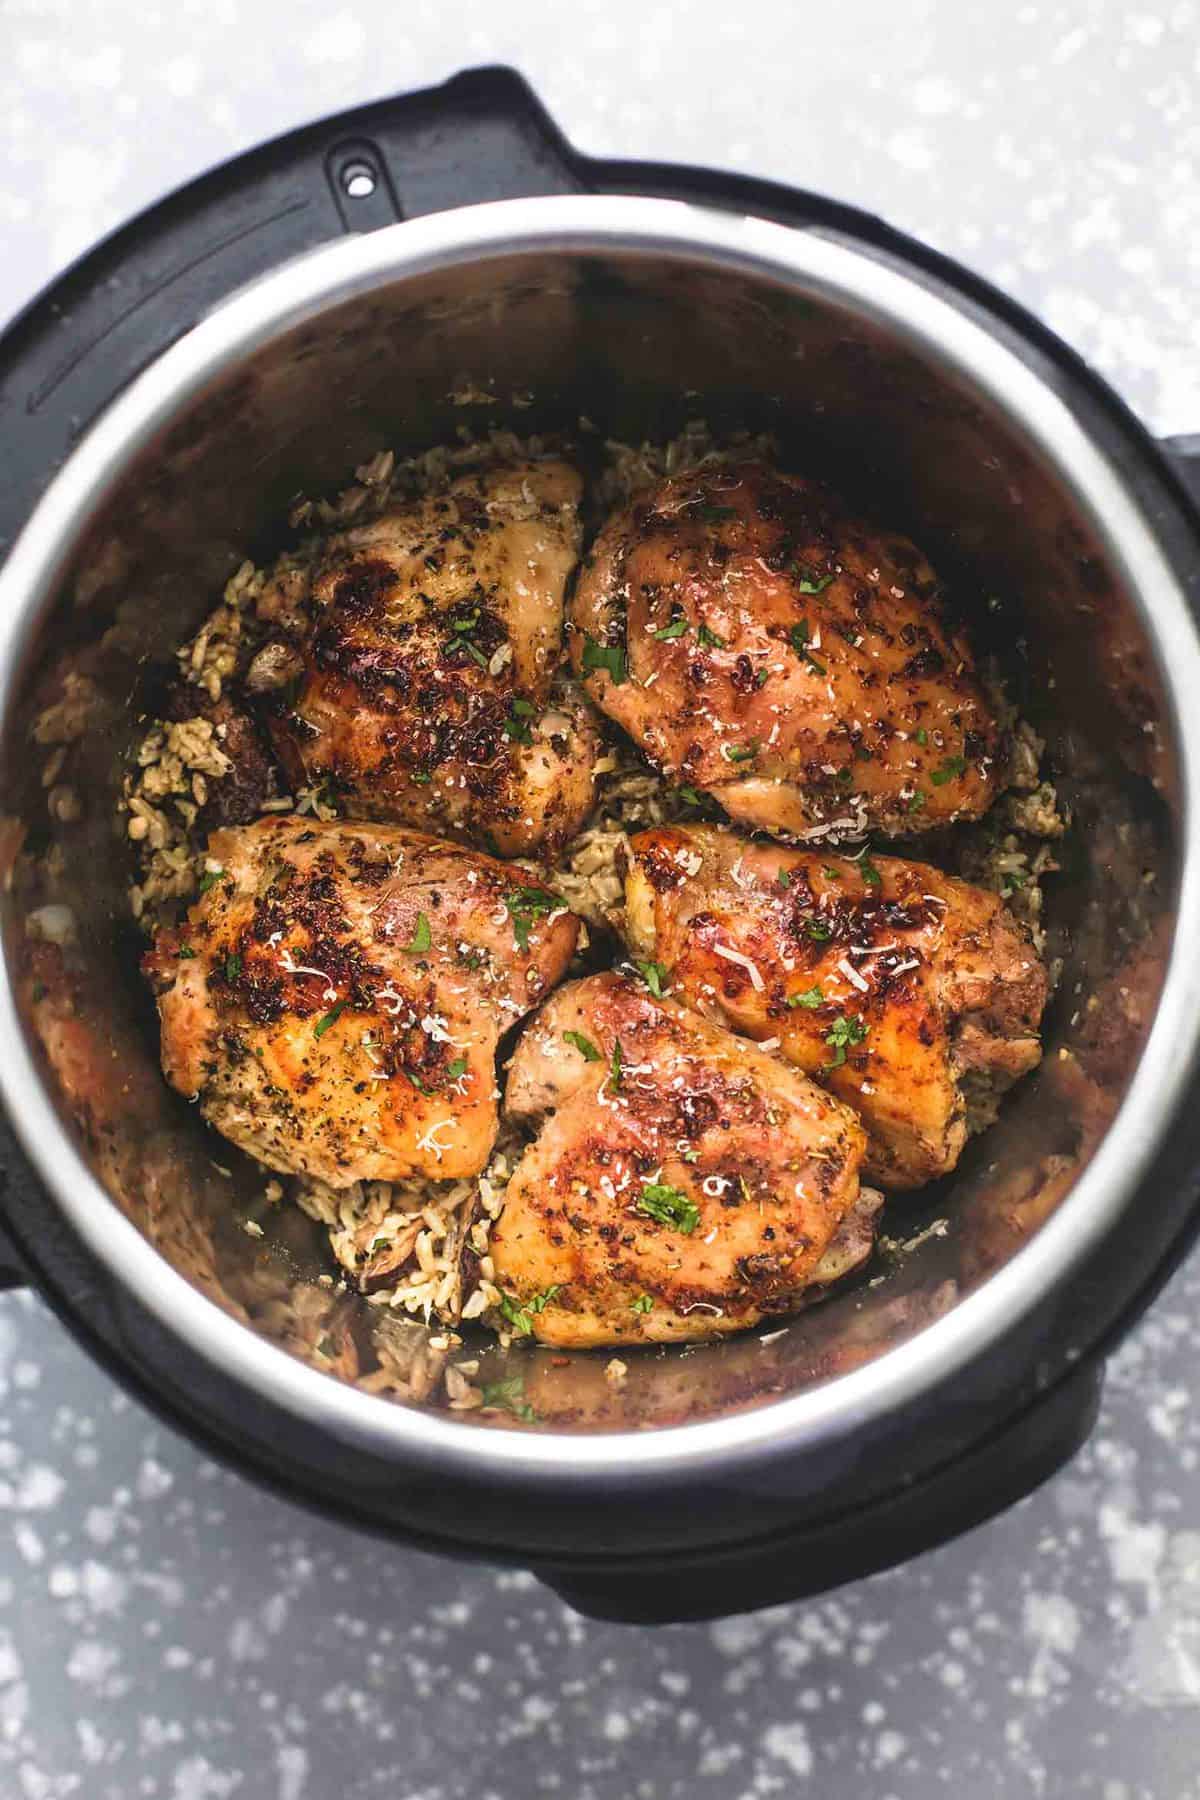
(780, 257)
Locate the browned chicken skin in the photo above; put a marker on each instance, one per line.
(335, 998)
(758, 640)
(884, 979)
(683, 1185)
(425, 672)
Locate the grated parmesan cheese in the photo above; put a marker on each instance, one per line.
(743, 962)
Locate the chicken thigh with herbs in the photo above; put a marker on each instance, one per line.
(413, 673)
(887, 981)
(758, 640)
(683, 1185)
(335, 997)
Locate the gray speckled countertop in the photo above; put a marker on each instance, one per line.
(166, 1630)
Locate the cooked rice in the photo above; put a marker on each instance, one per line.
(631, 797)
(435, 1220)
(441, 1229)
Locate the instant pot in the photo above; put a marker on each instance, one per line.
(265, 330)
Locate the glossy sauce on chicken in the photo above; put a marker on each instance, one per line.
(758, 640)
(335, 998)
(683, 1183)
(413, 673)
(884, 979)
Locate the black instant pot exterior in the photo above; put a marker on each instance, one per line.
(485, 137)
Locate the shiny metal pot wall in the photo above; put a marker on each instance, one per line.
(639, 314)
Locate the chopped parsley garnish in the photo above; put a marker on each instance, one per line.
(233, 967)
(784, 879)
(456, 1068)
(832, 874)
(691, 796)
(798, 638)
(516, 726)
(708, 640)
(330, 1018)
(380, 1243)
(869, 872)
(806, 584)
(509, 1396)
(842, 1035)
(327, 1348)
(810, 999)
(951, 767)
(186, 952)
(916, 801)
(422, 777)
(462, 629)
(668, 1205)
(209, 879)
(643, 1304)
(584, 1045)
(609, 657)
(615, 1066)
(818, 930)
(521, 1317)
(526, 905)
(675, 629)
(844, 777)
(922, 736)
(417, 1082)
(741, 752)
(712, 515)
(422, 937)
(655, 976)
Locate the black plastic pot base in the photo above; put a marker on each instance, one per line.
(918, 1517)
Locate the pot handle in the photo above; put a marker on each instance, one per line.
(483, 136)
(712, 1584)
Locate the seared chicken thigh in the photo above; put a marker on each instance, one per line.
(335, 998)
(758, 640)
(885, 980)
(414, 676)
(683, 1184)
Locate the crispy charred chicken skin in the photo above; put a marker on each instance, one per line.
(883, 979)
(335, 998)
(414, 675)
(683, 1185)
(758, 640)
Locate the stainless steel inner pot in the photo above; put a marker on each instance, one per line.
(638, 314)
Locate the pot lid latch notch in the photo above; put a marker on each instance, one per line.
(362, 188)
